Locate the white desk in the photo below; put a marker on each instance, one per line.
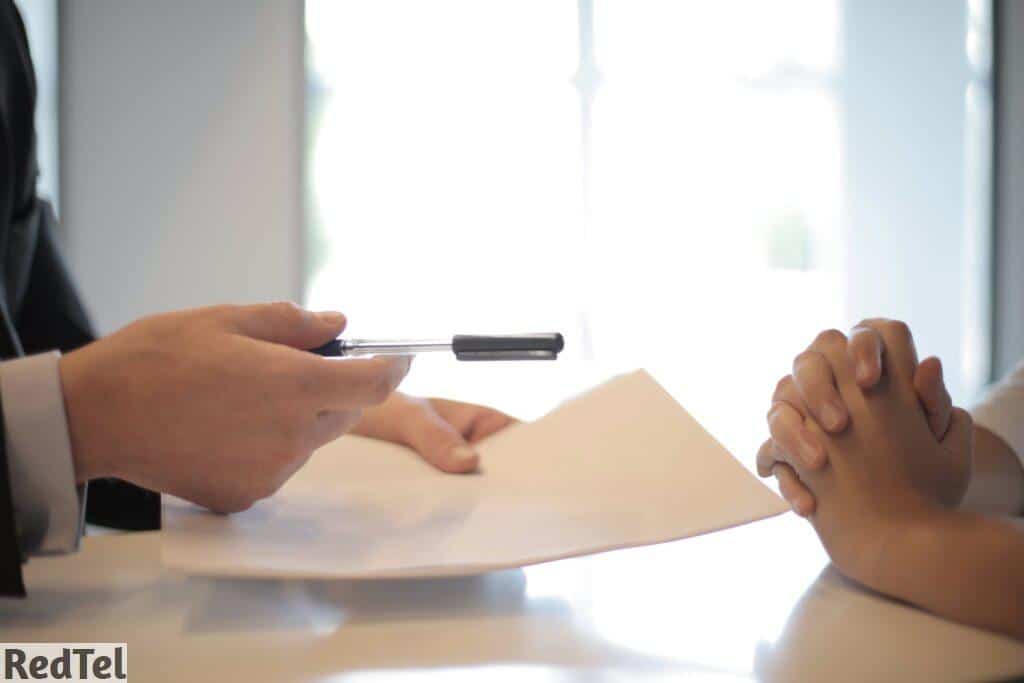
(730, 606)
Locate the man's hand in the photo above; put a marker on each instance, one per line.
(812, 392)
(218, 405)
(441, 431)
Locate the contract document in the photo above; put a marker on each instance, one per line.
(622, 465)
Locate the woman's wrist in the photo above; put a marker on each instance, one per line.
(913, 545)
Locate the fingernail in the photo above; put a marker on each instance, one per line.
(464, 455)
(863, 371)
(332, 318)
(832, 416)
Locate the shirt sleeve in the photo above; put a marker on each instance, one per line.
(48, 507)
(1002, 411)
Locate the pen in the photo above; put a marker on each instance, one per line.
(464, 346)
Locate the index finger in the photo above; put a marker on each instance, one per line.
(865, 351)
(814, 378)
(900, 351)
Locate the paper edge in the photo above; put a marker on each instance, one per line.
(427, 571)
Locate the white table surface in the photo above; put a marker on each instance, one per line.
(753, 602)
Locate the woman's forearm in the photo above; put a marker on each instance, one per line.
(997, 482)
(959, 565)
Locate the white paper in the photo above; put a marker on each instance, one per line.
(623, 465)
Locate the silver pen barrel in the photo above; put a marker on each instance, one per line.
(395, 347)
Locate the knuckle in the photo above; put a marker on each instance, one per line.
(961, 414)
(898, 328)
(830, 339)
(782, 387)
(288, 310)
(379, 388)
(777, 423)
(804, 356)
(805, 359)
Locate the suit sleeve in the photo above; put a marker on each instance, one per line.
(52, 317)
(11, 583)
(48, 505)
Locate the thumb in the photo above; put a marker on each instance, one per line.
(960, 436)
(933, 395)
(439, 443)
(286, 323)
(959, 447)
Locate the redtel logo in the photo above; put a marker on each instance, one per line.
(64, 661)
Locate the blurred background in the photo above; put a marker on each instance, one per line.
(688, 186)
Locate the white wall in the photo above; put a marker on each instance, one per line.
(1009, 249)
(910, 237)
(181, 152)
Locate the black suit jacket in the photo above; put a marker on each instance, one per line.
(39, 307)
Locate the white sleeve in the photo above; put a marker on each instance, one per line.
(1002, 410)
(48, 507)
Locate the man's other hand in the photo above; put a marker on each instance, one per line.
(442, 432)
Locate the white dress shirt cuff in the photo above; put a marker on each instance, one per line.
(48, 506)
(1002, 411)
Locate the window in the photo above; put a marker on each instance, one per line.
(40, 18)
(692, 187)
